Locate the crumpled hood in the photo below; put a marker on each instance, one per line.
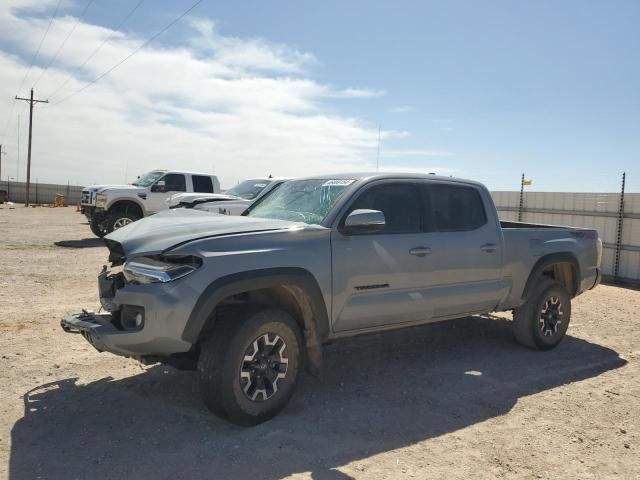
(159, 232)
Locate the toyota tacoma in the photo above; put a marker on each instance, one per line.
(249, 300)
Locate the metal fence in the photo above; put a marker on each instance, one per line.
(40, 192)
(618, 227)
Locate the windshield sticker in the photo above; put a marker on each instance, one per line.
(259, 185)
(337, 183)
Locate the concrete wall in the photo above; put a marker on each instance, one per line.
(41, 192)
(588, 210)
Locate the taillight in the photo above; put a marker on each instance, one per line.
(590, 234)
(599, 251)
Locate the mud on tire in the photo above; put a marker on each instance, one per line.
(249, 365)
(542, 321)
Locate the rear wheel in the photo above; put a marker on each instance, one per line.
(542, 321)
(249, 365)
(118, 220)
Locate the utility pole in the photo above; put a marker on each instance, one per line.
(1, 153)
(31, 103)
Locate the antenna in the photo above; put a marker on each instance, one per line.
(378, 157)
(18, 165)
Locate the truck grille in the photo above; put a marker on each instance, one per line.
(86, 198)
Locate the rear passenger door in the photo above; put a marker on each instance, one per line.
(466, 259)
(202, 184)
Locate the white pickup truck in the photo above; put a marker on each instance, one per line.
(109, 207)
(233, 201)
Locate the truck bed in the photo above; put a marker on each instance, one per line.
(526, 243)
(523, 225)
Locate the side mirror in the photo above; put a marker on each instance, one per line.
(159, 186)
(364, 221)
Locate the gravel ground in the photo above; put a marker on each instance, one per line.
(452, 400)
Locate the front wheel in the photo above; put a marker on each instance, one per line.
(95, 223)
(249, 365)
(542, 321)
(118, 220)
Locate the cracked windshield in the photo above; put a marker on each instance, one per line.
(307, 201)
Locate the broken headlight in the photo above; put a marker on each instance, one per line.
(144, 270)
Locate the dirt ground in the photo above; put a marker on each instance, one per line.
(452, 400)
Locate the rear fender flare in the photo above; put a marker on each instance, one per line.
(546, 261)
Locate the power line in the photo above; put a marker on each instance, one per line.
(95, 52)
(55, 57)
(33, 59)
(171, 24)
(35, 55)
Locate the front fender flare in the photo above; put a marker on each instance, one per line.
(316, 323)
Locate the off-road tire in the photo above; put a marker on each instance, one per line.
(222, 363)
(96, 227)
(530, 322)
(116, 220)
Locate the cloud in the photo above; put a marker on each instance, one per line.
(253, 54)
(404, 109)
(356, 93)
(236, 106)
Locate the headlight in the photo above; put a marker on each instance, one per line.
(159, 270)
(101, 200)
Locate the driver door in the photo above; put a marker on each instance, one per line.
(164, 187)
(379, 278)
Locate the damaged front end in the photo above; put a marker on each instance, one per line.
(127, 302)
(116, 318)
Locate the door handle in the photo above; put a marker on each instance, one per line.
(420, 251)
(488, 247)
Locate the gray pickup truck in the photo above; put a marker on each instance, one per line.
(249, 300)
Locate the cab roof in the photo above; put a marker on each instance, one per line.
(367, 176)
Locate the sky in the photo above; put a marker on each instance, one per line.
(481, 90)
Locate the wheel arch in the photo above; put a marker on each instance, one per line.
(562, 267)
(126, 205)
(292, 289)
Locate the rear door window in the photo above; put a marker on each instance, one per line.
(202, 184)
(174, 182)
(452, 208)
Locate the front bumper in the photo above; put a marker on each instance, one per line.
(95, 328)
(166, 313)
(91, 210)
